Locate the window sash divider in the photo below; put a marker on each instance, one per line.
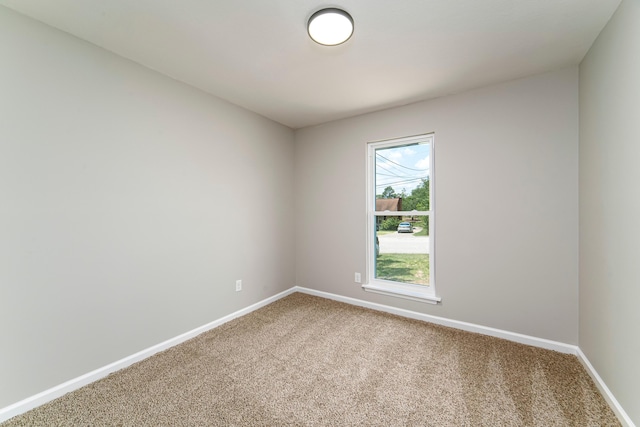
(402, 213)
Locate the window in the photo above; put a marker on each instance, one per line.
(400, 226)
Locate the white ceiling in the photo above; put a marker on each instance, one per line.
(256, 53)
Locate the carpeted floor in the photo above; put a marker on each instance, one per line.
(305, 360)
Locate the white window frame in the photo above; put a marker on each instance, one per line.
(387, 287)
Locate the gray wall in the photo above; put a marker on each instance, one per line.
(506, 180)
(129, 205)
(610, 206)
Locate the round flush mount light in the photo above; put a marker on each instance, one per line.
(330, 27)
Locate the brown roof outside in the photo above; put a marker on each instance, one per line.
(389, 204)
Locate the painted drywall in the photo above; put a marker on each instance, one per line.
(610, 206)
(506, 186)
(129, 205)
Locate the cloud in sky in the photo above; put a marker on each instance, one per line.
(394, 155)
(423, 163)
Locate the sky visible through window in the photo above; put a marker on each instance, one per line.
(402, 168)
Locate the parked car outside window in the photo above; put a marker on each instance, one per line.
(405, 227)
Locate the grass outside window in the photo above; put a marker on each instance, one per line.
(404, 268)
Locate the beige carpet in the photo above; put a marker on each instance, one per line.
(305, 360)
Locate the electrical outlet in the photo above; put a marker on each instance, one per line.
(238, 285)
(358, 278)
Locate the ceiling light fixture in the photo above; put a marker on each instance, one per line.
(330, 27)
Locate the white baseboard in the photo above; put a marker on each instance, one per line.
(499, 333)
(76, 383)
(606, 393)
(470, 327)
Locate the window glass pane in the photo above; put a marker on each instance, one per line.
(402, 249)
(402, 175)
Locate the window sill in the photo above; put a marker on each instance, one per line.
(410, 292)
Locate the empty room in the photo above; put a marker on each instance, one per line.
(305, 213)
